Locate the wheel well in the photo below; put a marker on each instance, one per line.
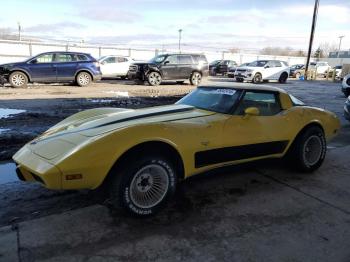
(150, 147)
(86, 71)
(22, 71)
(313, 124)
(196, 71)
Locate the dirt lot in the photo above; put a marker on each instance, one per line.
(260, 211)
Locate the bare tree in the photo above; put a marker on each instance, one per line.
(281, 51)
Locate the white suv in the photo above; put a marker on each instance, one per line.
(263, 70)
(115, 66)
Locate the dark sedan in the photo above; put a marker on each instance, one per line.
(222, 67)
(294, 70)
(53, 67)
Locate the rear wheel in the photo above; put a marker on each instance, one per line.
(283, 78)
(18, 79)
(195, 78)
(257, 79)
(154, 79)
(83, 79)
(308, 150)
(144, 187)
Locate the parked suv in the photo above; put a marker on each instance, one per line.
(179, 67)
(53, 67)
(263, 70)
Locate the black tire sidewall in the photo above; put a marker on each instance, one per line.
(128, 175)
(283, 78)
(299, 147)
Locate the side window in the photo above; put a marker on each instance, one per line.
(63, 58)
(110, 60)
(278, 64)
(172, 59)
(267, 103)
(122, 59)
(270, 64)
(185, 59)
(47, 58)
(82, 58)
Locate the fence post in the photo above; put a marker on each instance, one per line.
(99, 51)
(67, 47)
(30, 49)
(129, 51)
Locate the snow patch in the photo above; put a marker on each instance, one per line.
(6, 112)
(118, 93)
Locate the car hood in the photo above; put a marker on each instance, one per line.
(8, 66)
(102, 120)
(144, 63)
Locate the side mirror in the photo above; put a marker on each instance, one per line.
(34, 61)
(166, 62)
(103, 62)
(252, 111)
(267, 66)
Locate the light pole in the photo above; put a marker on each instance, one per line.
(19, 31)
(314, 19)
(180, 31)
(340, 39)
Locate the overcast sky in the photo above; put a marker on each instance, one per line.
(212, 24)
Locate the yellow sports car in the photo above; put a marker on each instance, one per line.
(142, 154)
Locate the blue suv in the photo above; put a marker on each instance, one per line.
(53, 67)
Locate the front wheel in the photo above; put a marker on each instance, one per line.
(257, 79)
(83, 79)
(146, 186)
(154, 79)
(18, 79)
(196, 78)
(309, 149)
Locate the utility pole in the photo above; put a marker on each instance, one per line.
(180, 31)
(340, 39)
(19, 31)
(314, 19)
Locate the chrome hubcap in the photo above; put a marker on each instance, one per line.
(155, 78)
(149, 186)
(258, 78)
(196, 78)
(18, 79)
(84, 79)
(312, 150)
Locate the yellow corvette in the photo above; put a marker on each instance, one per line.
(142, 154)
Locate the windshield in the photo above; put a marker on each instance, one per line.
(158, 59)
(221, 100)
(260, 63)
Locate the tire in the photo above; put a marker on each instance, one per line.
(123, 77)
(18, 79)
(297, 75)
(83, 79)
(308, 150)
(346, 93)
(239, 79)
(195, 78)
(144, 187)
(257, 79)
(283, 78)
(154, 78)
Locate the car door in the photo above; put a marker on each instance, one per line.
(170, 67)
(42, 69)
(66, 65)
(122, 66)
(249, 136)
(185, 66)
(109, 66)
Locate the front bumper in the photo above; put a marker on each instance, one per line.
(135, 75)
(31, 167)
(244, 75)
(97, 77)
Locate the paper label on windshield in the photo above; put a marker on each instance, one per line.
(225, 91)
